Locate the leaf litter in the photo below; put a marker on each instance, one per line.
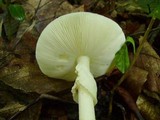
(22, 83)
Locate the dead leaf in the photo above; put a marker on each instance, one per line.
(23, 73)
(65, 8)
(9, 95)
(5, 58)
(53, 10)
(30, 9)
(48, 107)
(27, 44)
(24, 27)
(153, 95)
(29, 78)
(149, 107)
(129, 101)
(136, 79)
(46, 13)
(11, 109)
(132, 27)
(35, 3)
(150, 61)
(10, 27)
(88, 4)
(31, 113)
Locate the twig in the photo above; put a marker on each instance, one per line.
(36, 10)
(41, 97)
(136, 54)
(142, 32)
(132, 63)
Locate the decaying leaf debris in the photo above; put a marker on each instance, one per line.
(27, 94)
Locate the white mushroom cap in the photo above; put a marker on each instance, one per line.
(73, 35)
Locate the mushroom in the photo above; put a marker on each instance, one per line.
(79, 46)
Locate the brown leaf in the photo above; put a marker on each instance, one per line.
(129, 101)
(46, 13)
(5, 58)
(131, 27)
(27, 44)
(52, 10)
(149, 107)
(150, 61)
(30, 8)
(24, 28)
(28, 77)
(88, 4)
(30, 113)
(22, 71)
(47, 107)
(65, 8)
(136, 79)
(35, 3)
(11, 109)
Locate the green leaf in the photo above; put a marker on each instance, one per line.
(17, 11)
(156, 12)
(122, 59)
(130, 40)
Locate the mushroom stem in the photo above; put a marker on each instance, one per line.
(85, 89)
(86, 105)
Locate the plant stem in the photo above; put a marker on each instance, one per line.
(133, 61)
(85, 89)
(136, 54)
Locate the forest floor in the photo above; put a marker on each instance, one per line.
(27, 94)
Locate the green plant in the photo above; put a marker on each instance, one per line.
(122, 59)
(12, 14)
(13, 9)
(152, 8)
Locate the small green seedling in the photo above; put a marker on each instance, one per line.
(122, 59)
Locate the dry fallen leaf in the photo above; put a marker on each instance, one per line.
(149, 107)
(28, 77)
(150, 61)
(52, 10)
(148, 102)
(129, 102)
(35, 3)
(19, 70)
(48, 107)
(144, 76)
(31, 113)
(136, 79)
(22, 72)
(11, 109)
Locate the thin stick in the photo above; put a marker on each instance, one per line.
(132, 63)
